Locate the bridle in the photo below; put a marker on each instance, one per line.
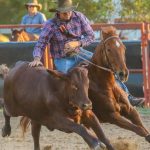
(107, 58)
(100, 67)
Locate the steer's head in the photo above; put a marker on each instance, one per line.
(78, 88)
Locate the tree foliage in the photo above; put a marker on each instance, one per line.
(96, 10)
(135, 10)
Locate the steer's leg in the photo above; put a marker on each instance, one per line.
(89, 119)
(67, 125)
(35, 128)
(6, 130)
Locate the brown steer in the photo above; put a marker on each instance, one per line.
(51, 99)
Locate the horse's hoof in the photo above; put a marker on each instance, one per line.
(6, 131)
(100, 146)
(148, 138)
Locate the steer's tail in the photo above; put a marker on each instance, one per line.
(4, 70)
(24, 123)
(1, 102)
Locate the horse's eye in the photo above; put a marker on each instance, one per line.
(108, 49)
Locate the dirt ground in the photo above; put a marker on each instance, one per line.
(57, 140)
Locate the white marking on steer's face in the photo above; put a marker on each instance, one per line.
(117, 44)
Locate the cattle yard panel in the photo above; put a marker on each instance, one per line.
(145, 37)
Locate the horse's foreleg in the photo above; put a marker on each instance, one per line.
(133, 115)
(36, 127)
(89, 119)
(6, 130)
(117, 119)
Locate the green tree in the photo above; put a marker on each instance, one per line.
(96, 10)
(135, 10)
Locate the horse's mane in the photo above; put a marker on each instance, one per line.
(24, 36)
(107, 32)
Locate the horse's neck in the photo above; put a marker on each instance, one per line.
(28, 37)
(97, 74)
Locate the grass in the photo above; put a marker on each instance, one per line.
(143, 110)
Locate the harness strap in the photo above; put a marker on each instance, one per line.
(100, 67)
(109, 38)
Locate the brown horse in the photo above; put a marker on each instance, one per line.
(110, 102)
(3, 38)
(21, 36)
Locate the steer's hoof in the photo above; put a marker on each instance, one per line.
(6, 131)
(148, 138)
(100, 146)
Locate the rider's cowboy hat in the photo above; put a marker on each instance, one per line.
(34, 3)
(63, 6)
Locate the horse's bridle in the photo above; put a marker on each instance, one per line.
(100, 67)
(107, 58)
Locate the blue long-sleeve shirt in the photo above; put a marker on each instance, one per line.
(38, 18)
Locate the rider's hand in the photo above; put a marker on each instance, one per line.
(72, 45)
(35, 62)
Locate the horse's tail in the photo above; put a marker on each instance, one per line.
(4, 70)
(24, 123)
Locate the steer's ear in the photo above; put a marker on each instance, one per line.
(57, 74)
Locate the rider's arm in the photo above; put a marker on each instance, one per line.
(87, 31)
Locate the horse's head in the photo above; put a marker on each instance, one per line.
(16, 35)
(111, 53)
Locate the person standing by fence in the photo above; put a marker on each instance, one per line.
(34, 16)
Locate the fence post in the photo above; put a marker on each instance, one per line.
(144, 48)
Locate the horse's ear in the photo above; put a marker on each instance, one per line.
(12, 30)
(113, 29)
(22, 30)
(109, 29)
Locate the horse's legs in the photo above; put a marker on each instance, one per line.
(6, 130)
(89, 119)
(67, 125)
(133, 115)
(35, 128)
(117, 119)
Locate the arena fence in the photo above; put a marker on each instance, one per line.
(140, 47)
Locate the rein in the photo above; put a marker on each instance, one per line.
(100, 67)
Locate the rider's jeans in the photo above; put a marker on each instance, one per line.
(123, 86)
(66, 63)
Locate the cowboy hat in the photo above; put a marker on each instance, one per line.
(34, 3)
(63, 6)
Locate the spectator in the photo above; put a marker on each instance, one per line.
(33, 16)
